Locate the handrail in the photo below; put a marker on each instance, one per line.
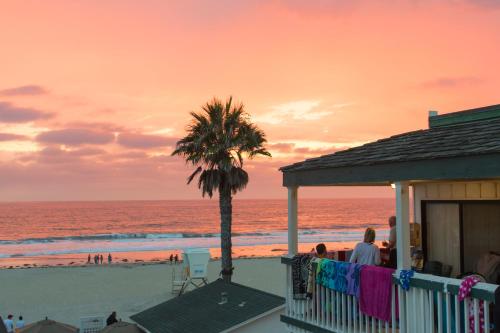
(481, 291)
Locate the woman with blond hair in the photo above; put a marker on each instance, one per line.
(366, 253)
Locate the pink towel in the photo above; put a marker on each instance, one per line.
(376, 291)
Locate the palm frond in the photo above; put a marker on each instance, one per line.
(216, 142)
(197, 171)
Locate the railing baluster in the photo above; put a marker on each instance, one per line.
(431, 328)
(361, 322)
(327, 308)
(412, 309)
(402, 312)
(332, 309)
(349, 328)
(466, 315)
(440, 311)
(303, 308)
(316, 310)
(476, 315)
(448, 313)
(355, 313)
(393, 309)
(323, 306)
(343, 313)
(333, 306)
(422, 311)
(306, 307)
(290, 291)
(486, 312)
(457, 315)
(337, 314)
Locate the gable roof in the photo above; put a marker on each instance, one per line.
(461, 134)
(200, 311)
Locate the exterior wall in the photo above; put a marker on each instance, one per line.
(269, 323)
(484, 190)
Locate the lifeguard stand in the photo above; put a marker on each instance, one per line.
(194, 270)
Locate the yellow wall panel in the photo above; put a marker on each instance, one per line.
(488, 190)
(473, 190)
(458, 191)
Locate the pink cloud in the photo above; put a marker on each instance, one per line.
(12, 137)
(452, 82)
(144, 141)
(10, 113)
(76, 137)
(282, 147)
(27, 90)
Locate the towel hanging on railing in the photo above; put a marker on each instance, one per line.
(332, 275)
(340, 276)
(464, 292)
(300, 274)
(404, 278)
(376, 292)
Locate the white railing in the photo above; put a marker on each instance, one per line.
(428, 306)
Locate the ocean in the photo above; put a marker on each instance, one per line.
(62, 233)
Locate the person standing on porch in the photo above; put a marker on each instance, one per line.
(366, 252)
(391, 244)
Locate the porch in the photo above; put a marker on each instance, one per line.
(455, 161)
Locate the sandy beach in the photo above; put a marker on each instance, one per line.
(68, 293)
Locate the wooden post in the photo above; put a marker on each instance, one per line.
(403, 225)
(292, 221)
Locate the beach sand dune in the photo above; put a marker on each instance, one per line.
(68, 293)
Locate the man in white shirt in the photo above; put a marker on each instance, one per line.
(9, 324)
(391, 244)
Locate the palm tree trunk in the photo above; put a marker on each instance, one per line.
(226, 212)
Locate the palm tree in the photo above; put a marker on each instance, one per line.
(218, 138)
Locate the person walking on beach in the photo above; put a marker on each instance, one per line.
(110, 258)
(88, 260)
(9, 324)
(96, 259)
(20, 322)
(176, 258)
(111, 319)
(171, 258)
(366, 253)
(102, 258)
(391, 244)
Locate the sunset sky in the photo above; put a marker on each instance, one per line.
(94, 94)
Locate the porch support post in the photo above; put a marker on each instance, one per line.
(292, 221)
(403, 225)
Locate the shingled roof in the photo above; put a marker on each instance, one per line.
(200, 310)
(461, 134)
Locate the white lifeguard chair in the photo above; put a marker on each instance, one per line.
(194, 270)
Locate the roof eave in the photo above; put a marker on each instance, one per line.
(476, 167)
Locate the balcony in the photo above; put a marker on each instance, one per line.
(428, 306)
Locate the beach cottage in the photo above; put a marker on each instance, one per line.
(450, 173)
(218, 307)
